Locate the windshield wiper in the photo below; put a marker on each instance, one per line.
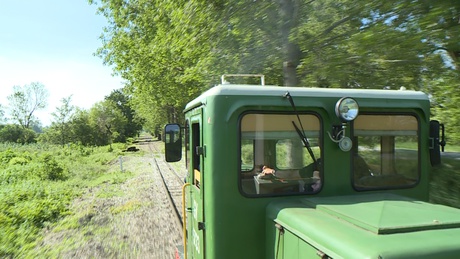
(301, 133)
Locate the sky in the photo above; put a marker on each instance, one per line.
(53, 42)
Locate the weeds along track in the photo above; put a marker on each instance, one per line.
(136, 218)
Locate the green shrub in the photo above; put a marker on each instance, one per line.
(18, 161)
(51, 169)
(6, 156)
(16, 173)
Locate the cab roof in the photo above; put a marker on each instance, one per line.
(264, 90)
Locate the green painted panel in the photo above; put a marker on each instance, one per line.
(291, 245)
(388, 213)
(294, 247)
(340, 238)
(307, 251)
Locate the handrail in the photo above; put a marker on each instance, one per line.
(184, 220)
(262, 77)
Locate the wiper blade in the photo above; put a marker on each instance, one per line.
(306, 144)
(301, 133)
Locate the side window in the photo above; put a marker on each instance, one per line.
(386, 153)
(273, 160)
(195, 154)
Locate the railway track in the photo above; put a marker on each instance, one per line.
(167, 197)
(171, 180)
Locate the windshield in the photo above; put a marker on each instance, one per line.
(273, 157)
(386, 153)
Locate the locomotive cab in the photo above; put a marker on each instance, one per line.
(284, 172)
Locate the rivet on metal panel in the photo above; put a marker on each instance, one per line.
(322, 255)
(280, 228)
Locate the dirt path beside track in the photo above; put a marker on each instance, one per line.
(134, 222)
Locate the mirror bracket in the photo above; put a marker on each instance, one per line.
(338, 136)
(437, 142)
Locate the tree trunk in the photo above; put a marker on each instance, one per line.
(291, 51)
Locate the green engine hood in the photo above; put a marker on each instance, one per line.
(372, 226)
(387, 214)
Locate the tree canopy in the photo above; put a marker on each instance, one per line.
(170, 51)
(25, 101)
(108, 121)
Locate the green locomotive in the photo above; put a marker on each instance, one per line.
(287, 172)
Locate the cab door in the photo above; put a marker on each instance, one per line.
(196, 232)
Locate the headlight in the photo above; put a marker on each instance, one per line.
(346, 109)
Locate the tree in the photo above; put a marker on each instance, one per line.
(104, 123)
(164, 52)
(17, 134)
(62, 117)
(25, 101)
(170, 51)
(81, 130)
(107, 122)
(122, 101)
(2, 113)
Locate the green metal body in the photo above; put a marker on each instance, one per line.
(363, 226)
(339, 220)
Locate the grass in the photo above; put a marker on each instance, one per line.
(445, 182)
(39, 182)
(130, 205)
(452, 148)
